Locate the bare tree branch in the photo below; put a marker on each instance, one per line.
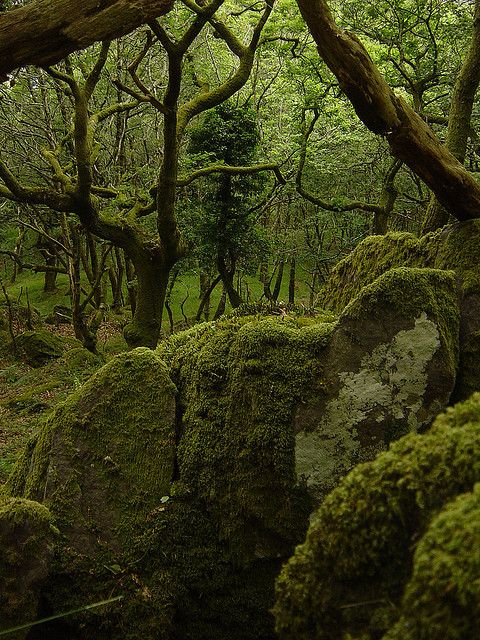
(231, 170)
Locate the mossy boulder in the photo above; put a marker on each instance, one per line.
(105, 458)
(455, 247)
(173, 473)
(79, 359)
(442, 598)
(389, 369)
(369, 260)
(27, 535)
(350, 576)
(240, 381)
(40, 346)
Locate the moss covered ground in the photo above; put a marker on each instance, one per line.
(29, 394)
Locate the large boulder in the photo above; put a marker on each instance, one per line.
(353, 576)
(240, 381)
(105, 458)
(455, 247)
(27, 536)
(389, 369)
(40, 346)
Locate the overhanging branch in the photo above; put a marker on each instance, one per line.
(45, 31)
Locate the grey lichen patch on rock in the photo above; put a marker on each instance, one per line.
(392, 378)
(105, 457)
(391, 383)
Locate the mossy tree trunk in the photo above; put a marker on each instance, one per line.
(45, 31)
(387, 200)
(227, 275)
(459, 118)
(152, 280)
(116, 275)
(291, 282)
(410, 138)
(50, 279)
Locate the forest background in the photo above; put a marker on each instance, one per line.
(207, 161)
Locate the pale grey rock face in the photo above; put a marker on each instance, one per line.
(388, 371)
(390, 384)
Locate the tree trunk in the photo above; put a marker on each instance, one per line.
(50, 279)
(131, 284)
(278, 281)
(45, 31)
(227, 275)
(291, 282)
(410, 138)
(221, 305)
(17, 269)
(206, 297)
(80, 326)
(387, 200)
(459, 118)
(205, 293)
(117, 273)
(152, 281)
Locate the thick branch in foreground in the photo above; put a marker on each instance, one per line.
(45, 31)
(384, 113)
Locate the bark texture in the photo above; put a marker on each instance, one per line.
(45, 31)
(410, 139)
(459, 117)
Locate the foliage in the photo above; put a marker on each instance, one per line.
(222, 221)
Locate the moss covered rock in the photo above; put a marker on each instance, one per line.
(442, 598)
(455, 247)
(370, 259)
(350, 575)
(240, 381)
(27, 535)
(40, 346)
(105, 458)
(389, 369)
